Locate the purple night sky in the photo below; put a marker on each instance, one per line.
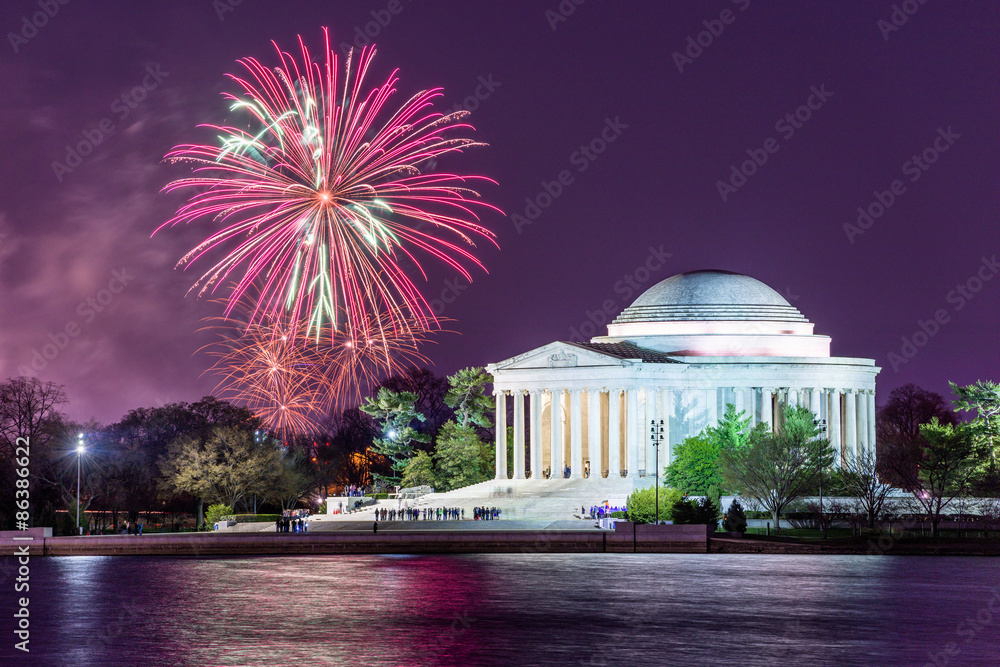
(75, 248)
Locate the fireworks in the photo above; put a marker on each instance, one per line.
(293, 384)
(327, 199)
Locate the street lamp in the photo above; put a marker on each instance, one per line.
(820, 424)
(656, 435)
(80, 449)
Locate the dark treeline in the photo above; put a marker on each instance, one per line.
(177, 458)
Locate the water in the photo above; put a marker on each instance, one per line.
(588, 609)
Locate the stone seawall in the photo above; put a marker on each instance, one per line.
(640, 540)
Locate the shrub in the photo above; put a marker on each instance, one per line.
(216, 512)
(735, 520)
(689, 512)
(641, 504)
(250, 518)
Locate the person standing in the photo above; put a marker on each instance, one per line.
(375, 528)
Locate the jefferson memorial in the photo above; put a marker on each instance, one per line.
(675, 358)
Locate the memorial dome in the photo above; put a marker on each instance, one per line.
(716, 313)
(707, 296)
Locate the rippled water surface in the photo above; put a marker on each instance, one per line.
(594, 609)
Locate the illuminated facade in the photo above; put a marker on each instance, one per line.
(684, 349)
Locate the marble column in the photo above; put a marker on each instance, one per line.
(575, 435)
(556, 455)
(518, 434)
(815, 402)
(767, 407)
(632, 431)
(712, 406)
(833, 423)
(851, 422)
(793, 398)
(663, 410)
(501, 426)
(614, 434)
(594, 437)
(740, 399)
(862, 421)
(535, 434)
(871, 422)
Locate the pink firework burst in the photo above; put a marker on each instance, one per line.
(327, 201)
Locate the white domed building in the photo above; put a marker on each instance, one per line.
(684, 349)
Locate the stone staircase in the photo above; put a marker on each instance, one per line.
(522, 499)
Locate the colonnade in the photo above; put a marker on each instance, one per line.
(596, 432)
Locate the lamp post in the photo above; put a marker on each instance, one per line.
(80, 449)
(821, 425)
(656, 435)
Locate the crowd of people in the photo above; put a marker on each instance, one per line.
(128, 528)
(353, 491)
(600, 511)
(292, 521)
(417, 514)
(486, 513)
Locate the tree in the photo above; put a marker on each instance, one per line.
(292, 480)
(430, 391)
(732, 431)
(897, 427)
(641, 504)
(983, 398)
(941, 468)
(776, 469)
(27, 407)
(461, 457)
(396, 412)
(419, 471)
(695, 468)
(186, 467)
(907, 408)
(228, 466)
(468, 398)
(687, 511)
(859, 479)
(735, 520)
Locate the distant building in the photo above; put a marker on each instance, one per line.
(683, 350)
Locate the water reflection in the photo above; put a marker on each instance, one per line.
(594, 609)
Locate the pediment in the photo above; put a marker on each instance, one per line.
(559, 355)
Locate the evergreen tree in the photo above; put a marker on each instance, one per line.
(735, 520)
(467, 396)
(461, 457)
(983, 398)
(695, 468)
(396, 412)
(419, 471)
